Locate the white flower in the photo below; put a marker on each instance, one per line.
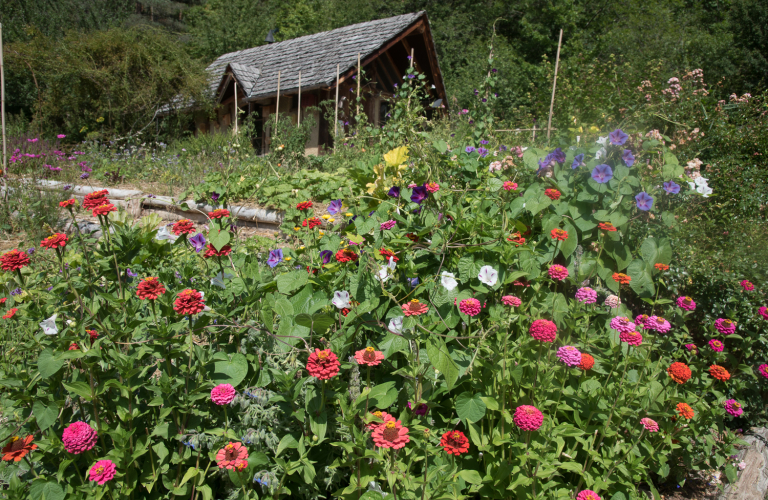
(603, 141)
(742, 465)
(383, 274)
(704, 190)
(396, 324)
(219, 280)
(205, 307)
(165, 234)
(488, 275)
(340, 299)
(49, 326)
(701, 181)
(692, 185)
(600, 153)
(392, 264)
(448, 280)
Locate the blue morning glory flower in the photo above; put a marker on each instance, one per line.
(578, 161)
(469, 149)
(335, 207)
(198, 242)
(419, 194)
(644, 201)
(602, 173)
(394, 192)
(671, 187)
(618, 137)
(275, 257)
(628, 157)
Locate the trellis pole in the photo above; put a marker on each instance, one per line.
(554, 85)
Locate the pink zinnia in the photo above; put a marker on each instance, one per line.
(642, 319)
(543, 330)
(558, 272)
(587, 495)
(433, 187)
(686, 303)
(650, 425)
(658, 323)
(569, 355)
(510, 186)
(733, 408)
(390, 434)
(612, 301)
(725, 326)
(763, 312)
(716, 345)
(511, 301)
(763, 369)
(102, 471)
(388, 225)
(470, 307)
(622, 324)
(746, 285)
(223, 394)
(586, 295)
(631, 338)
(528, 418)
(79, 437)
(232, 454)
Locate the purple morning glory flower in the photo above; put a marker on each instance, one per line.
(67, 187)
(602, 173)
(484, 99)
(413, 282)
(502, 148)
(578, 161)
(411, 76)
(618, 137)
(198, 242)
(671, 187)
(644, 201)
(469, 149)
(483, 142)
(482, 152)
(628, 157)
(30, 250)
(335, 207)
(16, 291)
(275, 257)
(85, 175)
(557, 155)
(326, 255)
(130, 273)
(394, 192)
(215, 196)
(419, 194)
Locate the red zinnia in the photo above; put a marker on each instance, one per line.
(517, 239)
(369, 356)
(685, 411)
(621, 278)
(304, 205)
(18, 448)
(587, 361)
(323, 364)
(93, 335)
(219, 213)
(679, 372)
(346, 255)
(67, 203)
(55, 241)
(552, 194)
(10, 313)
(661, 267)
(559, 234)
(528, 418)
(543, 330)
(606, 226)
(454, 443)
(2, 301)
(212, 252)
(414, 308)
(312, 222)
(73, 347)
(150, 288)
(95, 199)
(387, 254)
(189, 301)
(719, 373)
(412, 237)
(184, 226)
(13, 260)
(104, 209)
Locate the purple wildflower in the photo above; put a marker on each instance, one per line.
(335, 207)
(275, 257)
(578, 161)
(618, 137)
(419, 194)
(644, 201)
(325, 256)
(394, 192)
(671, 187)
(602, 173)
(628, 157)
(197, 241)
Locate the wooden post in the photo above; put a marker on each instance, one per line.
(2, 97)
(411, 58)
(336, 119)
(554, 85)
(235, 82)
(277, 104)
(357, 106)
(410, 67)
(298, 110)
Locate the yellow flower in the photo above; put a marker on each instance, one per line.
(349, 214)
(287, 259)
(302, 247)
(326, 216)
(100, 119)
(321, 233)
(331, 219)
(297, 228)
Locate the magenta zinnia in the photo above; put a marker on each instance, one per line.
(657, 323)
(470, 307)
(543, 330)
(558, 272)
(223, 394)
(511, 301)
(569, 355)
(650, 425)
(79, 437)
(528, 418)
(631, 338)
(102, 471)
(686, 303)
(763, 312)
(733, 408)
(622, 324)
(716, 345)
(725, 326)
(763, 369)
(587, 495)
(586, 295)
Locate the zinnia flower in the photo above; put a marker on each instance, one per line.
(67, 203)
(685, 411)
(184, 226)
(433, 187)
(509, 186)
(223, 394)
(391, 434)
(657, 323)
(587, 361)
(189, 302)
(650, 425)
(323, 364)
(528, 418)
(587, 495)
(95, 199)
(661, 267)
(569, 355)
(586, 295)
(552, 194)
(631, 338)
(470, 307)
(558, 272)
(104, 209)
(686, 303)
(212, 252)
(746, 285)
(10, 313)
(516, 238)
(622, 324)
(79, 437)
(679, 372)
(716, 345)
(13, 260)
(454, 443)
(346, 255)
(227, 457)
(414, 308)
(612, 301)
(150, 288)
(385, 226)
(692, 348)
(312, 222)
(725, 326)
(621, 278)
(219, 213)
(511, 301)
(642, 319)
(543, 330)
(733, 408)
(304, 205)
(369, 356)
(387, 254)
(102, 471)
(384, 416)
(763, 311)
(606, 226)
(18, 448)
(559, 234)
(763, 369)
(720, 373)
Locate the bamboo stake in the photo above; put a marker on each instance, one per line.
(554, 85)
(411, 58)
(298, 110)
(357, 107)
(410, 67)
(2, 97)
(235, 105)
(277, 105)
(336, 119)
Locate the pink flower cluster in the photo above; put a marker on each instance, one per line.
(587, 495)
(470, 306)
(631, 338)
(733, 408)
(569, 355)
(650, 425)
(716, 345)
(511, 301)
(79, 437)
(558, 272)
(528, 418)
(657, 323)
(612, 301)
(622, 324)
(763, 312)
(642, 319)
(763, 369)
(102, 471)
(586, 295)
(385, 226)
(725, 326)
(543, 330)
(746, 285)
(223, 394)
(686, 303)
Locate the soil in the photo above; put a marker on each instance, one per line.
(697, 487)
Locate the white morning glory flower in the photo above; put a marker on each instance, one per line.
(704, 190)
(164, 234)
(383, 274)
(49, 325)
(488, 275)
(701, 181)
(396, 324)
(448, 280)
(600, 153)
(341, 299)
(603, 141)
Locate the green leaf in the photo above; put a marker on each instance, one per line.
(47, 364)
(288, 441)
(232, 371)
(218, 238)
(49, 490)
(283, 307)
(80, 388)
(470, 476)
(44, 415)
(440, 359)
(191, 472)
(470, 407)
(642, 282)
(286, 283)
(318, 424)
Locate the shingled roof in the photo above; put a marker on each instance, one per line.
(315, 55)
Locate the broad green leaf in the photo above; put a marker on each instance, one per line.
(440, 359)
(286, 283)
(232, 371)
(218, 238)
(49, 490)
(470, 407)
(47, 364)
(45, 415)
(470, 476)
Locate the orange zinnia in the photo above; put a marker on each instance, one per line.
(621, 278)
(18, 448)
(685, 411)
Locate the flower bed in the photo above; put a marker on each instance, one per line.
(472, 327)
